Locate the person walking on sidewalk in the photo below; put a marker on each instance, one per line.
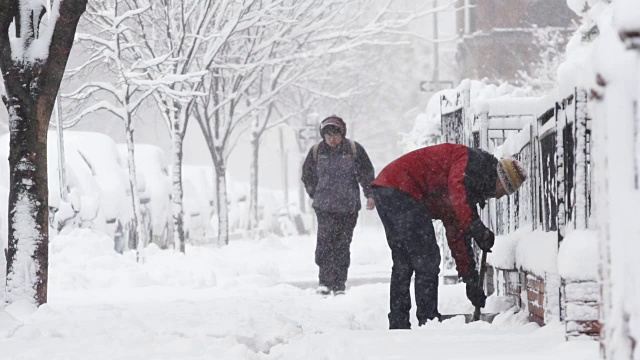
(443, 182)
(331, 173)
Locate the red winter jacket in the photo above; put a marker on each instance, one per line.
(450, 179)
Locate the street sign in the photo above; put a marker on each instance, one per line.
(308, 133)
(430, 85)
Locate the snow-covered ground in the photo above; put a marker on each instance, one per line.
(249, 300)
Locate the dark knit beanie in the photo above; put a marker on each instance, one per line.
(333, 124)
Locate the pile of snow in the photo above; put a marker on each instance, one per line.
(84, 259)
(578, 257)
(532, 251)
(537, 253)
(503, 252)
(524, 249)
(8, 324)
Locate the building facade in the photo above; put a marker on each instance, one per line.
(497, 38)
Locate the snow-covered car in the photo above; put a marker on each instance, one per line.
(100, 154)
(79, 206)
(198, 202)
(274, 216)
(77, 203)
(151, 170)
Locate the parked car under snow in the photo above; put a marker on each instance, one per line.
(151, 170)
(198, 202)
(94, 191)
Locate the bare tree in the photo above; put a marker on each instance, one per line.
(108, 46)
(321, 44)
(35, 42)
(193, 32)
(255, 65)
(305, 18)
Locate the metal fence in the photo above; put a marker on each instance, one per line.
(555, 148)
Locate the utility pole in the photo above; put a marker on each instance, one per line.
(467, 17)
(436, 49)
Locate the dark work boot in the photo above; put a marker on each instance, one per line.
(338, 289)
(437, 317)
(399, 322)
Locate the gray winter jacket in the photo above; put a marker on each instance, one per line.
(332, 181)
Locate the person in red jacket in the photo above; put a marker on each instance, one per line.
(443, 182)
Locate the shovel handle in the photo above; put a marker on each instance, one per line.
(483, 269)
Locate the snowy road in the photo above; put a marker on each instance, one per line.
(231, 304)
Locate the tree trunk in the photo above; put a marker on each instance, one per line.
(253, 196)
(176, 173)
(223, 210)
(133, 185)
(28, 250)
(31, 86)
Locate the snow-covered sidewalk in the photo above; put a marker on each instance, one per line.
(238, 302)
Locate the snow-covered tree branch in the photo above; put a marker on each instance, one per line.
(111, 46)
(194, 33)
(322, 40)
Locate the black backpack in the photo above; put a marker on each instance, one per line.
(352, 144)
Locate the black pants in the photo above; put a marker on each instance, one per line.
(333, 255)
(414, 249)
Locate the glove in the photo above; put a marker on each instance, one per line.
(476, 295)
(483, 236)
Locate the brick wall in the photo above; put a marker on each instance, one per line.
(535, 287)
(580, 308)
(507, 284)
(579, 305)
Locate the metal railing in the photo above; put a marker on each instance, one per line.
(554, 146)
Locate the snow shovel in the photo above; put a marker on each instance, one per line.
(477, 315)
